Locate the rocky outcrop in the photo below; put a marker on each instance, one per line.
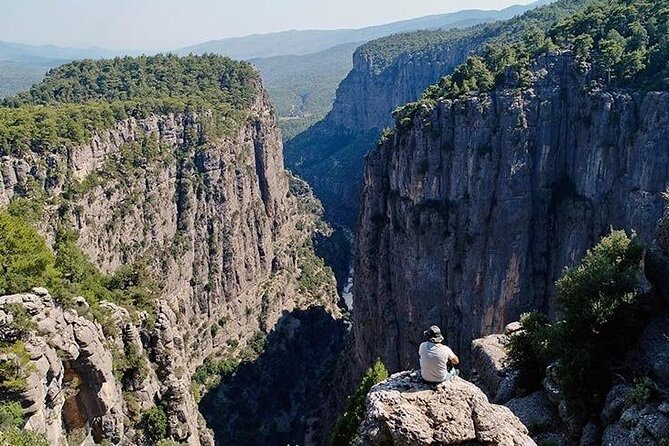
(209, 212)
(470, 215)
(489, 368)
(70, 385)
(406, 411)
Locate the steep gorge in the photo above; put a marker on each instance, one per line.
(388, 73)
(213, 218)
(471, 211)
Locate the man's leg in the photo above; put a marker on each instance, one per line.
(452, 374)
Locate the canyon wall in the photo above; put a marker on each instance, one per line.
(388, 73)
(330, 154)
(470, 213)
(214, 218)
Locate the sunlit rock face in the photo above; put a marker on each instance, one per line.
(404, 411)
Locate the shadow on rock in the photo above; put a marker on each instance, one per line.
(270, 401)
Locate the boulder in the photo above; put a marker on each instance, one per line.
(404, 410)
(488, 362)
(536, 412)
(638, 426)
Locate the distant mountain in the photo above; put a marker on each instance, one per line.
(49, 54)
(312, 41)
(303, 86)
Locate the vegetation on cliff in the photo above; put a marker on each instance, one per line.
(78, 98)
(26, 261)
(599, 301)
(626, 41)
(384, 52)
(347, 425)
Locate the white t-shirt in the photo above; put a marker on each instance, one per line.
(434, 361)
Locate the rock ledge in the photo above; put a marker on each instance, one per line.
(403, 410)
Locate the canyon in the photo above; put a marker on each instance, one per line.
(190, 289)
(220, 226)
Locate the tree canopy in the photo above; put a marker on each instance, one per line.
(80, 97)
(626, 41)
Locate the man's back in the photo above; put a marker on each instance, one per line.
(434, 360)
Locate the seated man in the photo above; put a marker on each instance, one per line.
(435, 357)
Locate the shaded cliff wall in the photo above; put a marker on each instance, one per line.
(469, 216)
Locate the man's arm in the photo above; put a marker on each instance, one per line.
(452, 357)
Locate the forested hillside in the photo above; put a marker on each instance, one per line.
(626, 42)
(85, 96)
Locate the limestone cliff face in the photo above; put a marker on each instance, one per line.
(330, 154)
(71, 383)
(212, 217)
(469, 215)
(367, 97)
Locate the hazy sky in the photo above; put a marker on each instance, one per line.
(166, 24)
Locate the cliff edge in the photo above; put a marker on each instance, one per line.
(404, 410)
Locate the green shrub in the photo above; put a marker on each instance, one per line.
(13, 371)
(601, 317)
(29, 209)
(17, 437)
(530, 350)
(25, 259)
(154, 424)
(641, 393)
(597, 299)
(130, 368)
(258, 341)
(212, 367)
(347, 425)
(11, 415)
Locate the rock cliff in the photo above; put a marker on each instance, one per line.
(470, 213)
(71, 385)
(406, 411)
(388, 73)
(330, 154)
(216, 221)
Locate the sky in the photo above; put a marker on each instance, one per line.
(170, 24)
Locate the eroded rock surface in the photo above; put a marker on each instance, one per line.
(214, 218)
(70, 384)
(406, 411)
